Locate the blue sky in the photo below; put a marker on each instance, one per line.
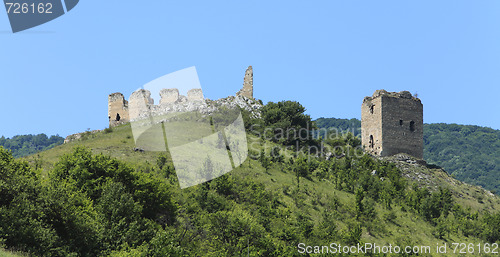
(327, 55)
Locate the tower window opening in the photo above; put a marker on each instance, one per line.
(117, 117)
(371, 108)
(412, 126)
(400, 122)
(371, 143)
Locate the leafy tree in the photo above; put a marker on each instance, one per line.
(285, 122)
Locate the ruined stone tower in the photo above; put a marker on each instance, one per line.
(392, 123)
(117, 109)
(247, 89)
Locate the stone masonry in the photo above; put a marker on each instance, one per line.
(169, 95)
(140, 102)
(141, 105)
(117, 109)
(392, 123)
(247, 90)
(195, 94)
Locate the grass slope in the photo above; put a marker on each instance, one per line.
(314, 196)
(5, 253)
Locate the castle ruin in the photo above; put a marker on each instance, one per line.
(392, 123)
(117, 109)
(169, 95)
(141, 105)
(247, 90)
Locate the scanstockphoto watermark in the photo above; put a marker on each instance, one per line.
(305, 141)
(366, 248)
(468, 248)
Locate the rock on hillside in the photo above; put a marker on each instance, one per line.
(433, 177)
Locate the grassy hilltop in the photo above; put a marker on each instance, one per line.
(97, 196)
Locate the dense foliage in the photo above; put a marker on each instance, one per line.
(93, 205)
(469, 153)
(285, 122)
(341, 125)
(89, 205)
(30, 144)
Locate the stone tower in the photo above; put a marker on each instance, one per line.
(392, 123)
(117, 109)
(247, 89)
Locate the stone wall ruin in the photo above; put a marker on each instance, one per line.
(247, 90)
(392, 123)
(141, 105)
(169, 95)
(117, 109)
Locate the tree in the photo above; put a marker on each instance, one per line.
(285, 122)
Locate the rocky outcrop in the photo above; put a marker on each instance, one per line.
(78, 136)
(193, 103)
(245, 103)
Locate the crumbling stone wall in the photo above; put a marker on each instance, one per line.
(139, 103)
(247, 90)
(169, 95)
(392, 123)
(117, 109)
(195, 94)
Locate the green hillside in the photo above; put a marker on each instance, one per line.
(469, 153)
(97, 196)
(341, 125)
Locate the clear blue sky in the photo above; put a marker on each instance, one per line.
(327, 55)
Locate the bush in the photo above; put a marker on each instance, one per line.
(108, 130)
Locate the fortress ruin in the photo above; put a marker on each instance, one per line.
(392, 123)
(117, 109)
(247, 90)
(141, 105)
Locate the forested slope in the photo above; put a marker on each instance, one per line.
(98, 197)
(469, 153)
(24, 145)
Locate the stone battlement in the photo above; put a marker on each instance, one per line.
(140, 104)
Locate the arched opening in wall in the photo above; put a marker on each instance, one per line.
(412, 126)
(400, 122)
(117, 117)
(371, 143)
(371, 108)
